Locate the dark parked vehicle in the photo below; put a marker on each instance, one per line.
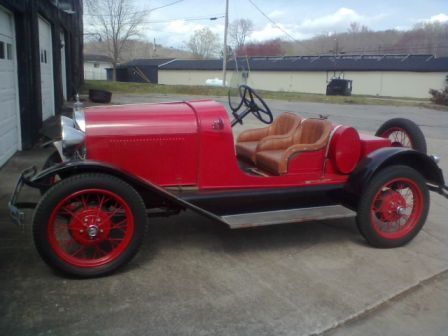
(339, 87)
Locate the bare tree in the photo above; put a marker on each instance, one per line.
(203, 43)
(117, 22)
(239, 30)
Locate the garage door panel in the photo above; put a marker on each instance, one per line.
(46, 68)
(9, 114)
(8, 108)
(7, 82)
(8, 140)
(7, 129)
(6, 27)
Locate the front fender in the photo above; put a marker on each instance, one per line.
(385, 157)
(147, 189)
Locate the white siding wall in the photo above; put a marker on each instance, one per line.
(310, 82)
(99, 73)
(187, 77)
(387, 83)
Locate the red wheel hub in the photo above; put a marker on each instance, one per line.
(392, 206)
(90, 226)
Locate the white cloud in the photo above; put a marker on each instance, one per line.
(341, 18)
(270, 32)
(335, 22)
(442, 18)
(177, 33)
(276, 14)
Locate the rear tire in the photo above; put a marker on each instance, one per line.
(403, 133)
(89, 225)
(393, 208)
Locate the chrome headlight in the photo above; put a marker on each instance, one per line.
(69, 134)
(66, 121)
(80, 119)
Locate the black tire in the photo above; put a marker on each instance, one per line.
(365, 216)
(119, 198)
(411, 130)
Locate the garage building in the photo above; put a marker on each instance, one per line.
(95, 66)
(40, 66)
(139, 70)
(375, 75)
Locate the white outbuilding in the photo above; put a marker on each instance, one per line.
(373, 75)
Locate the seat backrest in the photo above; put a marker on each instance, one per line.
(312, 131)
(284, 123)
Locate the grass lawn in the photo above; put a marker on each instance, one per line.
(147, 89)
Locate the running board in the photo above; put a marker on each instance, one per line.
(252, 219)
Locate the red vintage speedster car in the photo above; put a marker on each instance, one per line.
(117, 165)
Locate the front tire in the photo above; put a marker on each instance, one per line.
(393, 208)
(89, 225)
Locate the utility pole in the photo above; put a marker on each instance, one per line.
(224, 59)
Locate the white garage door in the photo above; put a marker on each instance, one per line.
(46, 68)
(9, 106)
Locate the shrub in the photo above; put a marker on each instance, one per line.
(440, 96)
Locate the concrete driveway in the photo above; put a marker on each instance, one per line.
(194, 277)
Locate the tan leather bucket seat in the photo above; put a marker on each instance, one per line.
(282, 127)
(273, 155)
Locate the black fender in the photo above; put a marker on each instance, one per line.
(149, 191)
(385, 157)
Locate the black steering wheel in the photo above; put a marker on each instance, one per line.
(253, 104)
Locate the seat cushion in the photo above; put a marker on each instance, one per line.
(247, 150)
(270, 160)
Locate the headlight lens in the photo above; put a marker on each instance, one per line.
(71, 136)
(66, 121)
(80, 119)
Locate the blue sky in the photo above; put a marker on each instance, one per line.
(301, 19)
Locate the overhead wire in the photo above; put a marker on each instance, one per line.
(276, 25)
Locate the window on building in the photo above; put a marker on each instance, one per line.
(43, 56)
(9, 51)
(2, 50)
(96, 65)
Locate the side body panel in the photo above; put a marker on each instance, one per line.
(158, 142)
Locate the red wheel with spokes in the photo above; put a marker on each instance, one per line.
(398, 137)
(394, 207)
(403, 133)
(89, 225)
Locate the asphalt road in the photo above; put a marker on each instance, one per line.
(194, 277)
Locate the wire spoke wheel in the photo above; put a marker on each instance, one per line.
(403, 133)
(398, 137)
(393, 207)
(396, 208)
(89, 224)
(90, 228)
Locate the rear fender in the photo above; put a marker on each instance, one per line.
(385, 157)
(152, 194)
